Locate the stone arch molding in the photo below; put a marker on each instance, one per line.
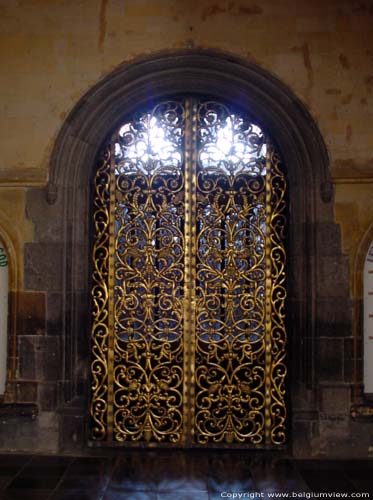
(275, 108)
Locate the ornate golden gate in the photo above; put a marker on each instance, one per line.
(188, 336)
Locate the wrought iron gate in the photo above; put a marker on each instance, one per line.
(188, 335)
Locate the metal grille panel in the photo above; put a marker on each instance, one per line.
(188, 335)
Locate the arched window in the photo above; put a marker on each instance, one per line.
(4, 291)
(188, 334)
(368, 322)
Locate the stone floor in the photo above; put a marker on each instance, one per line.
(166, 475)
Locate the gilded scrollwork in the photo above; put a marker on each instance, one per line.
(100, 297)
(230, 279)
(190, 305)
(278, 297)
(149, 276)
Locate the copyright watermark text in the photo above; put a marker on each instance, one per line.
(293, 494)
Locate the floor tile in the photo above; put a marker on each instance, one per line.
(50, 460)
(47, 466)
(184, 495)
(360, 473)
(4, 481)
(176, 475)
(76, 495)
(83, 483)
(181, 475)
(181, 484)
(18, 460)
(91, 466)
(23, 494)
(135, 474)
(231, 484)
(132, 485)
(10, 470)
(230, 473)
(44, 470)
(130, 495)
(34, 483)
(362, 484)
(325, 476)
(271, 475)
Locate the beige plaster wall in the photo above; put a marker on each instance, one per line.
(354, 213)
(53, 51)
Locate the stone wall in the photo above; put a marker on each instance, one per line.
(54, 53)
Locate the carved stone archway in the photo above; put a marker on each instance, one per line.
(98, 113)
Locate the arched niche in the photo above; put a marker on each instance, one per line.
(9, 286)
(275, 107)
(362, 400)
